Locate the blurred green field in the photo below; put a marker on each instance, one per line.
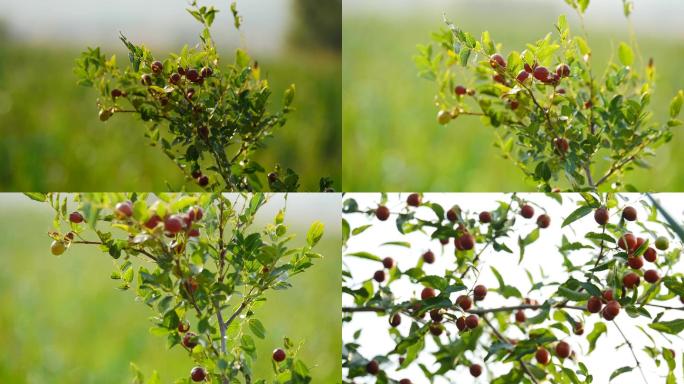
(391, 138)
(52, 138)
(62, 320)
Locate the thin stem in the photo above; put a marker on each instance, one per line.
(100, 243)
(501, 337)
(621, 163)
(631, 349)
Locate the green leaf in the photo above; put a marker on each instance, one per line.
(257, 328)
(619, 372)
(673, 327)
(315, 233)
(625, 54)
(365, 255)
(360, 229)
(599, 329)
(37, 196)
(577, 214)
(676, 104)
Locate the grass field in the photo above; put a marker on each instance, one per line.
(62, 320)
(391, 138)
(52, 138)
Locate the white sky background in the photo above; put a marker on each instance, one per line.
(540, 256)
(156, 22)
(654, 17)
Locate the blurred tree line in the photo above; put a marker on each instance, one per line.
(319, 24)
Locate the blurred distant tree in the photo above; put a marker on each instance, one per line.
(318, 25)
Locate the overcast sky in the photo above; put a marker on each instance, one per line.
(542, 255)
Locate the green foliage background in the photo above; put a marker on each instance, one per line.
(389, 120)
(52, 138)
(62, 320)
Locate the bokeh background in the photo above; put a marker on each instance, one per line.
(62, 319)
(52, 138)
(392, 141)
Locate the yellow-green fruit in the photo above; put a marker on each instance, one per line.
(662, 243)
(443, 117)
(57, 247)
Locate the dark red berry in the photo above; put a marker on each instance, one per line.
(485, 217)
(116, 93)
(436, 329)
(413, 200)
(183, 327)
(563, 350)
(635, 262)
(460, 90)
(466, 242)
(601, 216)
(153, 221)
(388, 262)
(464, 302)
(207, 72)
(520, 316)
(522, 76)
(146, 79)
(175, 78)
(373, 367)
(76, 217)
(499, 78)
(272, 177)
(479, 292)
(472, 321)
(190, 340)
(192, 75)
(173, 224)
(561, 144)
(379, 276)
(631, 280)
(157, 67)
(181, 70)
(607, 295)
(427, 293)
(429, 257)
(627, 242)
(543, 221)
(124, 209)
(650, 255)
(542, 356)
(436, 315)
(612, 310)
(382, 213)
(475, 370)
(278, 355)
(651, 276)
(461, 323)
(578, 329)
(563, 70)
(203, 181)
(405, 381)
(594, 304)
(528, 68)
(629, 213)
(198, 374)
(541, 73)
(497, 61)
(195, 213)
(527, 211)
(395, 320)
(513, 104)
(452, 215)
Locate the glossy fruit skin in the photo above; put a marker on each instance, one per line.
(650, 255)
(173, 224)
(153, 221)
(443, 117)
(175, 78)
(485, 217)
(594, 304)
(146, 79)
(635, 262)
(466, 242)
(578, 329)
(124, 209)
(472, 321)
(429, 257)
(563, 349)
(379, 276)
(629, 213)
(373, 367)
(627, 242)
(157, 67)
(75, 217)
(436, 329)
(195, 213)
(513, 104)
(278, 355)
(527, 211)
(543, 221)
(601, 216)
(479, 292)
(203, 181)
(452, 215)
(57, 247)
(542, 356)
(607, 295)
(499, 79)
(612, 310)
(405, 381)
(651, 276)
(528, 68)
(183, 327)
(460, 90)
(520, 316)
(464, 302)
(522, 76)
(475, 370)
(662, 243)
(192, 75)
(189, 340)
(116, 93)
(436, 315)
(388, 262)
(207, 72)
(541, 73)
(195, 232)
(461, 323)
(272, 177)
(631, 280)
(563, 70)
(395, 320)
(382, 213)
(562, 145)
(427, 293)
(497, 61)
(413, 200)
(198, 374)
